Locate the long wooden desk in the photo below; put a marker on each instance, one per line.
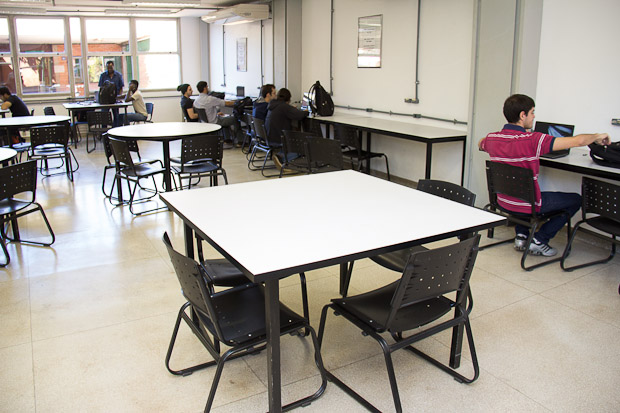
(420, 133)
(393, 217)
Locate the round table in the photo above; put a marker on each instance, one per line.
(6, 154)
(163, 132)
(26, 121)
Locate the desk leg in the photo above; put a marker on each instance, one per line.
(167, 180)
(368, 135)
(463, 165)
(429, 157)
(189, 241)
(345, 277)
(272, 323)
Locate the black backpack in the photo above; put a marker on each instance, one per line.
(107, 93)
(608, 155)
(240, 105)
(321, 102)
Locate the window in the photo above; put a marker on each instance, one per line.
(67, 55)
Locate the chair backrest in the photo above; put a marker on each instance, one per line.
(447, 190)
(247, 119)
(99, 119)
(432, 273)
(195, 284)
(149, 111)
(121, 154)
(202, 115)
(323, 153)
(311, 125)
(204, 147)
(48, 111)
(17, 179)
(348, 136)
(512, 181)
(602, 198)
(295, 142)
(32, 112)
(259, 129)
(107, 148)
(55, 134)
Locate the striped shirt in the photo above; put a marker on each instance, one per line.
(514, 146)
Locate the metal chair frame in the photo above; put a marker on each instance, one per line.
(99, 122)
(323, 155)
(351, 139)
(262, 145)
(201, 156)
(52, 142)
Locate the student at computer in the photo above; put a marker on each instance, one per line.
(261, 106)
(514, 145)
(281, 114)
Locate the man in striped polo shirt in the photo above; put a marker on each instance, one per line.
(514, 145)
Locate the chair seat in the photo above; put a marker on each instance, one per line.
(21, 146)
(353, 153)
(224, 274)
(605, 224)
(197, 167)
(49, 151)
(12, 205)
(396, 260)
(373, 309)
(98, 130)
(142, 169)
(240, 324)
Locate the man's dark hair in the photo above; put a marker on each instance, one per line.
(109, 62)
(134, 81)
(515, 104)
(201, 86)
(266, 89)
(4, 91)
(183, 88)
(284, 95)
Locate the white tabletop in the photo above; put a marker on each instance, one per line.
(579, 160)
(32, 120)
(317, 218)
(6, 154)
(93, 105)
(163, 130)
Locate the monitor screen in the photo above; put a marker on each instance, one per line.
(554, 129)
(240, 91)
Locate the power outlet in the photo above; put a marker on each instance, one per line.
(615, 122)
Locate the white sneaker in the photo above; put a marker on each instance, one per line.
(520, 241)
(538, 248)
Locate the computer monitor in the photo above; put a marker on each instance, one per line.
(558, 130)
(240, 91)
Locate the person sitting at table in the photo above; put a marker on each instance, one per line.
(514, 145)
(212, 106)
(135, 97)
(17, 107)
(261, 106)
(280, 115)
(187, 103)
(111, 75)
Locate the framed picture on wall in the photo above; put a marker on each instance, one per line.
(369, 30)
(242, 54)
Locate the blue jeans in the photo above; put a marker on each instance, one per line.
(131, 117)
(552, 202)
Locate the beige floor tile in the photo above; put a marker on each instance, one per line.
(15, 313)
(16, 379)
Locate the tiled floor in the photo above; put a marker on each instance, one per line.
(85, 324)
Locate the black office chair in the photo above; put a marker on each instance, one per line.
(351, 139)
(600, 209)
(323, 155)
(234, 317)
(132, 173)
(149, 112)
(249, 135)
(52, 142)
(201, 156)
(107, 150)
(49, 111)
(98, 124)
(312, 126)
(517, 182)
(15, 180)
(293, 154)
(264, 145)
(419, 298)
(202, 115)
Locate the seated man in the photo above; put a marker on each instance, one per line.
(281, 114)
(17, 108)
(212, 105)
(514, 145)
(261, 106)
(135, 97)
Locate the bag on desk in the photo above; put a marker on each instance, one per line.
(606, 155)
(321, 102)
(107, 93)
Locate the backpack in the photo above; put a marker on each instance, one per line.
(240, 105)
(321, 102)
(606, 155)
(107, 93)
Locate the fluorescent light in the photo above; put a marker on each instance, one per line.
(139, 12)
(241, 13)
(25, 10)
(185, 3)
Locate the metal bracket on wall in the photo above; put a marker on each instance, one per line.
(615, 122)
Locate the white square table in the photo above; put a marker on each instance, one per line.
(335, 218)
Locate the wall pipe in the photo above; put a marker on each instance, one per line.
(224, 55)
(417, 58)
(331, 51)
(414, 115)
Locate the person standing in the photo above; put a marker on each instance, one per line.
(135, 97)
(17, 107)
(261, 106)
(516, 145)
(111, 75)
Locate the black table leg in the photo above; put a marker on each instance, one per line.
(368, 145)
(167, 180)
(189, 241)
(463, 165)
(429, 157)
(272, 323)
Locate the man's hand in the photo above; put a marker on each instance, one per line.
(602, 139)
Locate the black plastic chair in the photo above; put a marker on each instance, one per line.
(293, 154)
(323, 155)
(419, 298)
(249, 135)
(49, 111)
(149, 112)
(98, 124)
(15, 180)
(234, 317)
(132, 173)
(396, 260)
(351, 139)
(600, 209)
(202, 115)
(517, 182)
(107, 149)
(311, 126)
(264, 145)
(201, 156)
(52, 142)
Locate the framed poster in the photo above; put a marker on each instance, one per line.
(242, 54)
(369, 41)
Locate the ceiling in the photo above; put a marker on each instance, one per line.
(110, 7)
